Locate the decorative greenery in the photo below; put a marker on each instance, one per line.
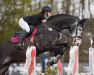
(48, 71)
(81, 69)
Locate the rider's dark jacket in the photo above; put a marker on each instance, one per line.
(35, 19)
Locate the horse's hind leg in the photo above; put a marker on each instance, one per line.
(4, 69)
(4, 66)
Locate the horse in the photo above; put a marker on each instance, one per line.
(48, 34)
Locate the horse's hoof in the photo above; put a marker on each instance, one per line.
(50, 63)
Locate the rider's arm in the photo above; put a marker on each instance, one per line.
(37, 18)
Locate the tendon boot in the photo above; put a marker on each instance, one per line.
(22, 37)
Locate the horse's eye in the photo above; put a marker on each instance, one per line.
(80, 29)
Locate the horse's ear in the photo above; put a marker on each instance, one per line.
(82, 21)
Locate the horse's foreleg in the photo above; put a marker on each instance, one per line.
(63, 45)
(58, 49)
(54, 61)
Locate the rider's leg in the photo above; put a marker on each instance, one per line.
(26, 30)
(23, 35)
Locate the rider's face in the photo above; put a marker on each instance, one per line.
(49, 13)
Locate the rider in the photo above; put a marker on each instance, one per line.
(26, 22)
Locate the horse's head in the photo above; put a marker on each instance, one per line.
(76, 31)
(74, 24)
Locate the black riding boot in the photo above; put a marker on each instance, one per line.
(23, 35)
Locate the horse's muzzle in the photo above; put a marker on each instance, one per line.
(77, 40)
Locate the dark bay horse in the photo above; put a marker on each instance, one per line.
(45, 40)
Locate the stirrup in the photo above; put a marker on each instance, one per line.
(21, 45)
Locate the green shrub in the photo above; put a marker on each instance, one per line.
(81, 69)
(48, 71)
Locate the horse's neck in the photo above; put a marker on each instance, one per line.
(62, 21)
(58, 25)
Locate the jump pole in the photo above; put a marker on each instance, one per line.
(30, 65)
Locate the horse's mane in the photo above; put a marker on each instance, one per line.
(62, 18)
(59, 21)
(59, 15)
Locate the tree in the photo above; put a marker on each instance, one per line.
(83, 7)
(11, 12)
(89, 2)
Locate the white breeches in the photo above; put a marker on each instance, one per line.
(24, 25)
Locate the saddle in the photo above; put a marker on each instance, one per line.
(16, 36)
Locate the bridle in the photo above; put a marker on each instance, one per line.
(77, 28)
(77, 37)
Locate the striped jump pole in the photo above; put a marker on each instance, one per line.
(73, 61)
(30, 65)
(73, 66)
(91, 57)
(91, 60)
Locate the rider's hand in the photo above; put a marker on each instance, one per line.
(44, 20)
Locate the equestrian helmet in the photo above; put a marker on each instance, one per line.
(46, 9)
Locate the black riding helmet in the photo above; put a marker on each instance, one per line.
(46, 9)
